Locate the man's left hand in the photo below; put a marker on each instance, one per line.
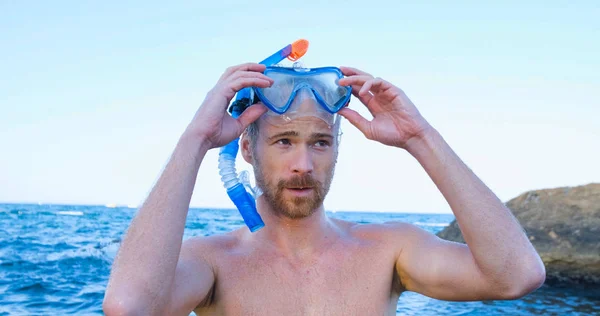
(396, 120)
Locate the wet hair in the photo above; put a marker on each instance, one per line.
(252, 133)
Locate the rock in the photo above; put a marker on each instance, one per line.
(563, 224)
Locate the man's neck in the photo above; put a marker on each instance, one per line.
(295, 238)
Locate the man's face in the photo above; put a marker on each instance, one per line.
(294, 164)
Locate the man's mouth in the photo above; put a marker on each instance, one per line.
(300, 190)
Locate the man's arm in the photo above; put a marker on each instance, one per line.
(498, 261)
(152, 274)
(149, 274)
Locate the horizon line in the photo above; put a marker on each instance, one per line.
(130, 206)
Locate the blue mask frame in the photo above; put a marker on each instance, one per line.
(305, 73)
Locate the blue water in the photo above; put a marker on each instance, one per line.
(55, 260)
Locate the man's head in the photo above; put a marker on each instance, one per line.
(293, 161)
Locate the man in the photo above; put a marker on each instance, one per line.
(302, 262)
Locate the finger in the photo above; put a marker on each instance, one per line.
(242, 83)
(350, 71)
(373, 85)
(244, 67)
(357, 82)
(251, 114)
(249, 74)
(364, 99)
(354, 80)
(358, 121)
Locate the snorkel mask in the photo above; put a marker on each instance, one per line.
(286, 101)
(293, 87)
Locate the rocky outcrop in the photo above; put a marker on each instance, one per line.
(563, 224)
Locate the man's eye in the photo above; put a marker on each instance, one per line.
(322, 143)
(283, 141)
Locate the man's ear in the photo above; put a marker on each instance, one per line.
(245, 148)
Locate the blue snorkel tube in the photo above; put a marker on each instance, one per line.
(244, 200)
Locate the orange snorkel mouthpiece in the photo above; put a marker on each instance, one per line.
(299, 48)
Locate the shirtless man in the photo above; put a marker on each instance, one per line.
(302, 262)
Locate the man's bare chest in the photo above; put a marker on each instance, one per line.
(339, 281)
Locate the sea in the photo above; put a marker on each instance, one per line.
(56, 259)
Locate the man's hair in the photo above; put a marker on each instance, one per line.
(252, 133)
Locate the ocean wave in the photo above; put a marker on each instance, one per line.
(103, 252)
(33, 287)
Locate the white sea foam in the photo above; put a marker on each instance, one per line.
(73, 213)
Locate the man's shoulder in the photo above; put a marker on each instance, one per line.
(208, 245)
(386, 231)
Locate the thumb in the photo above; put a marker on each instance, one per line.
(357, 120)
(251, 114)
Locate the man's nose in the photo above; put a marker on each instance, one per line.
(302, 161)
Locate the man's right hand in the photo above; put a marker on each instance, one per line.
(212, 123)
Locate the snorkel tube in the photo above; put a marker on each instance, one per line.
(236, 187)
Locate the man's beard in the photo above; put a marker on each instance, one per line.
(294, 207)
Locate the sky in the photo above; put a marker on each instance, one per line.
(94, 95)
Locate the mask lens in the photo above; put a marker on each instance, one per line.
(278, 94)
(326, 87)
